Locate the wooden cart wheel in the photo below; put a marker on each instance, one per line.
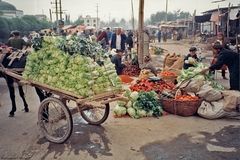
(95, 116)
(55, 120)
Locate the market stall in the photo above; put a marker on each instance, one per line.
(184, 92)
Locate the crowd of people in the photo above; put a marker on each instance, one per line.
(224, 59)
(121, 43)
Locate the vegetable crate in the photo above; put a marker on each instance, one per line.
(55, 116)
(181, 108)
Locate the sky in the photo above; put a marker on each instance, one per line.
(109, 9)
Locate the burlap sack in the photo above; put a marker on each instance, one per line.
(170, 59)
(178, 64)
(211, 110)
(215, 110)
(209, 94)
(193, 85)
(231, 100)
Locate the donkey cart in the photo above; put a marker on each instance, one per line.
(55, 114)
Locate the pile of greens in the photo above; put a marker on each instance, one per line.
(80, 45)
(193, 71)
(140, 104)
(190, 72)
(75, 73)
(158, 50)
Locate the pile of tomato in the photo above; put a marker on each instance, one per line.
(148, 85)
(131, 70)
(187, 98)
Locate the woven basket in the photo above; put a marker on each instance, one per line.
(181, 108)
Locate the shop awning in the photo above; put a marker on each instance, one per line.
(203, 18)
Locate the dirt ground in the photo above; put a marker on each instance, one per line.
(166, 138)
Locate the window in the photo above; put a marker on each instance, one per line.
(94, 21)
(88, 21)
(94, 25)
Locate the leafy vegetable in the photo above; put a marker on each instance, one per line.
(74, 73)
(80, 45)
(129, 104)
(192, 71)
(119, 110)
(148, 102)
(134, 96)
(141, 113)
(132, 113)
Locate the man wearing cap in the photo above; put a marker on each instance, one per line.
(229, 58)
(191, 58)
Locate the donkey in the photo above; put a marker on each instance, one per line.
(20, 63)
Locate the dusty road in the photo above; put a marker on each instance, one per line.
(167, 138)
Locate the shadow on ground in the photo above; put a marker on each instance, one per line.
(85, 138)
(223, 145)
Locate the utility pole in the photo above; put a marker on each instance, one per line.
(60, 9)
(97, 18)
(219, 20)
(166, 18)
(140, 33)
(228, 19)
(194, 24)
(50, 12)
(56, 11)
(132, 15)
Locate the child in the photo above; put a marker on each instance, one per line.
(191, 59)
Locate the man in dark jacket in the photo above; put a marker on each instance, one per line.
(103, 39)
(231, 60)
(117, 60)
(118, 41)
(129, 40)
(16, 42)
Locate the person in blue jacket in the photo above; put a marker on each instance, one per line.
(118, 41)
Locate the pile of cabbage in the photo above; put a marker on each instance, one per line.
(74, 73)
(195, 73)
(140, 104)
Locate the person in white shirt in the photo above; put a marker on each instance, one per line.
(118, 41)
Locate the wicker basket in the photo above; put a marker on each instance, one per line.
(181, 108)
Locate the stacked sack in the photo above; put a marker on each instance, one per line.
(173, 63)
(216, 103)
